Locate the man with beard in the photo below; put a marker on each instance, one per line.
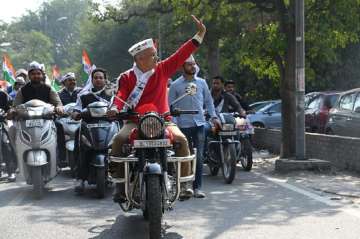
(230, 88)
(70, 92)
(36, 89)
(193, 126)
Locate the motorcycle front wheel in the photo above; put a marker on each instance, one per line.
(229, 165)
(37, 181)
(154, 205)
(100, 182)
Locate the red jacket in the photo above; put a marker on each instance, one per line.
(155, 91)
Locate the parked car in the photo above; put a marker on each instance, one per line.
(317, 107)
(259, 105)
(344, 118)
(268, 116)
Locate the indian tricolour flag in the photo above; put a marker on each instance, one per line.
(87, 65)
(8, 70)
(56, 78)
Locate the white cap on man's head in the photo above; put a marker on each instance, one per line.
(191, 59)
(140, 46)
(20, 80)
(69, 75)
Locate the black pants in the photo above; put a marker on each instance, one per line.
(9, 157)
(60, 142)
(82, 165)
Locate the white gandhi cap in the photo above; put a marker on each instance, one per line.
(140, 46)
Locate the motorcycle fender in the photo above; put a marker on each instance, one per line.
(98, 160)
(152, 168)
(70, 145)
(36, 158)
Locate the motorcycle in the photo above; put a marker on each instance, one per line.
(6, 148)
(36, 144)
(96, 134)
(222, 145)
(70, 127)
(152, 173)
(245, 149)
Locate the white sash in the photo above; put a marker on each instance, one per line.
(218, 108)
(141, 82)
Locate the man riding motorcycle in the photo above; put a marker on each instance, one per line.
(36, 89)
(70, 92)
(146, 83)
(8, 155)
(96, 93)
(67, 95)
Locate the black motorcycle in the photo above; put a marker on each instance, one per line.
(223, 145)
(152, 174)
(96, 134)
(7, 155)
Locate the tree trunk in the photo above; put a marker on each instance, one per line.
(213, 58)
(213, 52)
(288, 82)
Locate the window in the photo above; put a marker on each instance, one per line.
(275, 108)
(347, 101)
(357, 102)
(330, 101)
(314, 103)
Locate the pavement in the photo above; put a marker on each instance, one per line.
(259, 204)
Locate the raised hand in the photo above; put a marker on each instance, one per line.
(200, 26)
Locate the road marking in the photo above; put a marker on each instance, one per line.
(283, 183)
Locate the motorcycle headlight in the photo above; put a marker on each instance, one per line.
(227, 127)
(151, 126)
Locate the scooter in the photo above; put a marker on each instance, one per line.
(36, 144)
(70, 127)
(96, 134)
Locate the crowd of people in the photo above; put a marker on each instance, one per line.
(145, 83)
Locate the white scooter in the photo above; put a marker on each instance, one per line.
(36, 144)
(70, 127)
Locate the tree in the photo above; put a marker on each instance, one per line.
(223, 18)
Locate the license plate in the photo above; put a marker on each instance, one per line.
(98, 125)
(157, 143)
(34, 123)
(227, 133)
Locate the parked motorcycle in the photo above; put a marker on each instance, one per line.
(222, 145)
(36, 144)
(70, 127)
(96, 134)
(152, 174)
(245, 149)
(7, 155)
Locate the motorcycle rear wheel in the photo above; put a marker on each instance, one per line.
(229, 165)
(154, 205)
(246, 157)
